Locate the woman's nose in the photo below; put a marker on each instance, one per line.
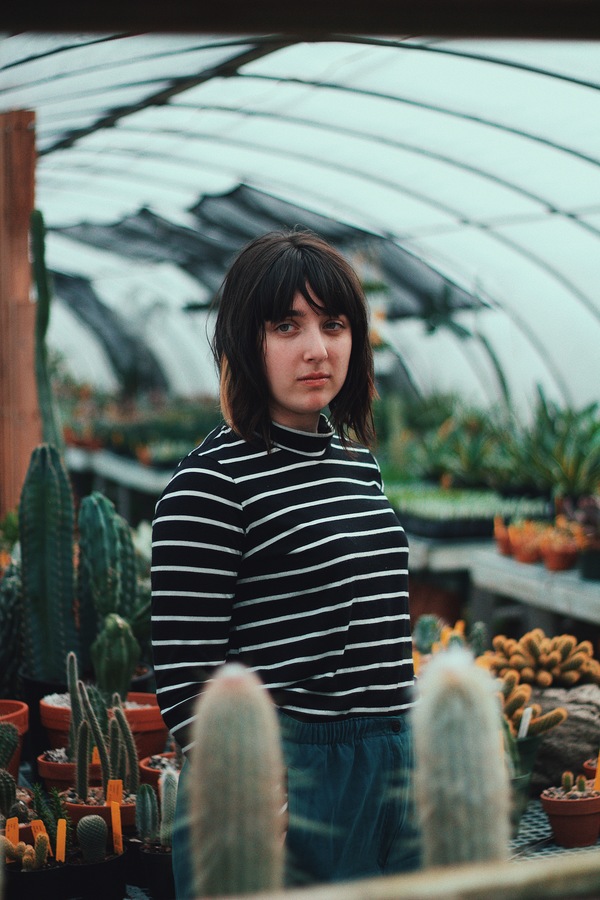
(315, 346)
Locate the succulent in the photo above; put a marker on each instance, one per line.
(9, 741)
(92, 834)
(8, 792)
(46, 529)
(426, 632)
(146, 814)
(515, 698)
(236, 787)
(460, 777)
(559, 661)
(29, 857)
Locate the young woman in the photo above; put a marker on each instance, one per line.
(275, 546)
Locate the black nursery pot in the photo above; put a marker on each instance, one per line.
(105, 880)
(51, 881)
(157, 867)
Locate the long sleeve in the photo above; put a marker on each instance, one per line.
(197, 542)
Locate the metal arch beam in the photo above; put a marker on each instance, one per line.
(484, 18)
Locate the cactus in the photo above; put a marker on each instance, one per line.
(82, 758)
(146, 814)
(51, 427)
(168, 796)
(46, 532)
(115, 654)
(99, 739)
(544, 661)
(461, 779)
(236, 787)
(108, 584)
(92, 833)
(50, 808)
(8, 792)
(9, 741)
(10, 629)
(128, 769)
(426, 632)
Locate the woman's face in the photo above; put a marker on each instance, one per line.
(306, 361)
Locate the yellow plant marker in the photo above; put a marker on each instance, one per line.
(61, 840)
(117, 831)
(597, 779)
(114, 791)
(95, 756)
(11, 830)
(38, 827)
(416, 661)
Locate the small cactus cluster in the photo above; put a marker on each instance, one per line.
(29, 857)
(9, 741)
(572, 788)
(543, 661)
(154, 824)
(515, 698)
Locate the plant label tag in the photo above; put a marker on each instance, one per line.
(524, 723)
(115, 816)
(114, 791)
(11, 831)
(597, 779)
(95, 756)
(61, 840)
(38, 827)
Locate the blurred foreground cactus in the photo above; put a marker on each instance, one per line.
(462, 789)
(236, 788)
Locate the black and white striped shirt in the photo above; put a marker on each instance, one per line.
(291, 562)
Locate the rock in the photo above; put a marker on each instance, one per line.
(568, 745)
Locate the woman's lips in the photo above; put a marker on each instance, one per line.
(315, 378)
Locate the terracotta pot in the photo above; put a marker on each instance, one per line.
(559, 560)
(149, 731)
(151, 774)
(78, 810)
(589, 767)
(17, 712)
(574, 823)
(61, 775)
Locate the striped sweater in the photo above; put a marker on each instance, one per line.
(290, 561)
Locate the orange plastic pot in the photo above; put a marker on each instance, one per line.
(17, 712)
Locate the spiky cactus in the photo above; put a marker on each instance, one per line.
(168, 796)
(462, 789)
(10, 629)
(9, 741)
(92, 833)
(146, 814)
(115, 654)
(8, 792)
(46, 533)
(108, 585)
(236, 787)
(51, 426)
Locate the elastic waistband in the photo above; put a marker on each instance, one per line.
(339, 732)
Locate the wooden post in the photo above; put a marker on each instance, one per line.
(20, 425)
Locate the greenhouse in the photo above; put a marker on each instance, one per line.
(460, 179)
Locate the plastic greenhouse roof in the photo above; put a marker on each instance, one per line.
(462, 173)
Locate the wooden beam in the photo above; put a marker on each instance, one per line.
(20, 428)
(314, 18)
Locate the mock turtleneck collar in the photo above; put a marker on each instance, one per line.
(304, 443)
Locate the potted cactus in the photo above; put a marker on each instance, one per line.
(155, 814)
(573, 810)
(118, 762)
(96, 872)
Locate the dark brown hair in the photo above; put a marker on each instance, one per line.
(259, 287)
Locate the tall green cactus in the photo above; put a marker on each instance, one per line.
(8, 791)
(92, 834)
(462, 789)
(115, 654)
(168, 798)
(51, 426)
(46, 533)
(108, 585)
(9, 741)
(146, 814)
(10, 630)
(236, 788)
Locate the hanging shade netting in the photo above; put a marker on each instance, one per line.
(462, 177)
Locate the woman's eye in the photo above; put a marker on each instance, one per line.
(284, 327)
(334, 325)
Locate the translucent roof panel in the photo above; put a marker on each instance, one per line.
(463, 173)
